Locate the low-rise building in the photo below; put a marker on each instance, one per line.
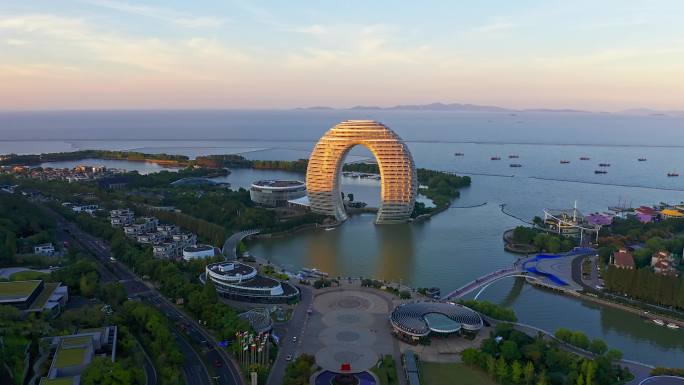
(664, 263)
(411, 368)
(45, 249)
(241, 282)
(623, 259)
(145, 225)
(34, 296)
(166, 250)
(90, 209)
(645, 214)
(276, 193)
(168, 230)
(121, 217)
(72, 354)
(198, 252)
(185, 239)
(671, 213)
(150, 238)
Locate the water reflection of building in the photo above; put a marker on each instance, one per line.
(324, 251)
(396, 252)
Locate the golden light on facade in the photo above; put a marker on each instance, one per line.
(399, 185)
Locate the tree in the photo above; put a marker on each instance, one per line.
(580, 340)
(510, 351)
(113, 293)
(501, 369)
(528, 373)
(516, 372)
(598, 346)
(589, 372)
(102, 371)
(580, 380)
(538, 221)
(490, 364)
(11, 242)
(614, 355)
(470, 356)
(541, 379)
(88, 284)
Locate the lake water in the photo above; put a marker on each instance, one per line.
(455, 246)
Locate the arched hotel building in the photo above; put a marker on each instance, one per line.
(399, 185)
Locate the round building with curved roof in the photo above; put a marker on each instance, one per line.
(241, 282)
(398, 180)
(276, 193)
(420, 319)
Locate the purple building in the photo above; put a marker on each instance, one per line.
(644, 218)
(597, 219)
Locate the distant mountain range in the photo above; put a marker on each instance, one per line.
(458, 107)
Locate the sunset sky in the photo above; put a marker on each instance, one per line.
(112, 54)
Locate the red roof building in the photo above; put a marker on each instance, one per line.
(646, 210)
(623, 259)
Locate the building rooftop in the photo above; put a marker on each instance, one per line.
(57, 381)
(191, 249)
(69, 356)
(623, 258)
(410, 362)
(17, 290)
(421, 318)
(231, 268)
(70, 342)
(672, 213)
(44, 296)
(278, 183)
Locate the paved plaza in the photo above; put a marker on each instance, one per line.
(349, 326)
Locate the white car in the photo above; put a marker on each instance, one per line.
(288, 357)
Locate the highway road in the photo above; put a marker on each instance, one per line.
(194, 364)
(293, 328)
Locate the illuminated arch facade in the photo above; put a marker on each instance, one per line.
(399, 185)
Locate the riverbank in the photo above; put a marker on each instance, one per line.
(595, 299)
(165, 160)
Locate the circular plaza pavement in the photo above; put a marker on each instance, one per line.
(350, 324)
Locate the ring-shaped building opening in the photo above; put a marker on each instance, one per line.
(399, 185)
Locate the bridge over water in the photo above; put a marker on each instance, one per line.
(229, 249)
(519, 269)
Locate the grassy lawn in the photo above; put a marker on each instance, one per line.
(448, 374)
(27, 275)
